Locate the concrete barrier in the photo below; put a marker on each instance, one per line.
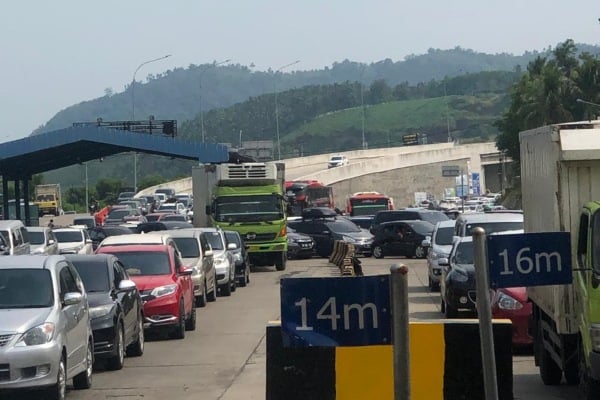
(445, 362)
(342, 257)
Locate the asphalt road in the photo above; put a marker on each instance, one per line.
(224, 359)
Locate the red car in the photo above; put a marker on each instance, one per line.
(164, 283)
(511, 303)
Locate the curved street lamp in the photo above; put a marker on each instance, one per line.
(214, 64)
(133, 112)
(277, 108)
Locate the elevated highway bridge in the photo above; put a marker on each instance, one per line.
(396, 171)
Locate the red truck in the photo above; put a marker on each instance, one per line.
(368, 203)
(309, 193)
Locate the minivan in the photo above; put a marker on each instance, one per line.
(407, 214)
(491, 222)
(16, 236)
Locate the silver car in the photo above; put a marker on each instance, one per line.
(45, 333)
(223, 260)
(197, 254)
(42, 240)
(440, 246)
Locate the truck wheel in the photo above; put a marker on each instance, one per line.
(450, 311)
(280, 262)
(550, 372)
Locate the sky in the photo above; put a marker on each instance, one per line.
(54, 54)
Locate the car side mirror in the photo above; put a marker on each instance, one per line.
(186, 271)
(88, 241)
(232, 246)
(126, 285)
(443, 262)
(208, 253)
(426, 243)
(72, 298)
(51, 242)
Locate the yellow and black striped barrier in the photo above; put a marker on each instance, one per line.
(445, 364)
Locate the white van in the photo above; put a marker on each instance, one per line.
(16, 236)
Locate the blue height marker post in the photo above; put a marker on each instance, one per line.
(400, 331)
(484, 312)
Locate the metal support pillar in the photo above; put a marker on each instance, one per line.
(4, 198)
(17, 199)
(26, 201)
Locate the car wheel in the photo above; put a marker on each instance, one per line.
(247, 275)
(83, 380)
(136, 349)
(201, 300)
(430, 283)
(225, 290)
(280, 262)
(243, 279)
(179, 332)
(378, 251)
(58, 391)
(190, 322)
(212, 295)
(420, 252)
(116, 362)
(443, 306)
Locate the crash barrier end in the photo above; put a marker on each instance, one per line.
(445, 363)
(342, 256)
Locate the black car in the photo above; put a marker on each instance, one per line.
(146, 227)
(431, 216)
(325, 226)
(240, 257)
(457, 282)
(299, 245)
(99, 233)
(115, 308)
(401, 238)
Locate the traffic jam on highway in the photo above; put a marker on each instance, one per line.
(85, 296)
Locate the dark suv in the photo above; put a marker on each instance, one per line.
(402, 238)
(407, 214)
(325, 226)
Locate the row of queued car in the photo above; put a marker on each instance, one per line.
(62, 315)
(451, 270)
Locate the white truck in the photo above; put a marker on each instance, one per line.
(560, 179)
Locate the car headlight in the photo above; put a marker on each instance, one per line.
(506, 302)
(40, 334)
(100, 311)
(348, 239)
(220, 260)
(237, 256)
(291, 241)
(163, 290)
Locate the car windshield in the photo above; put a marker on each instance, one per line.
(174, 217)
(68, 236)
(118, 214)
(188, 247)
(444, 236)
(434, 217)
(25, 288)
(422, 227)
(493, 227)
(37, 238)
(145, 262)
(248, 208)
(464, 253)
(336, 158)
(152, 217)
(94, 274)
(368, 206)
(214, 238)
(342, 226)
(232, 238)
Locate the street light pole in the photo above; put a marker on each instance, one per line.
(362, 107)
(214, 64)
(87, 202)
(277, 108)
(133, 111)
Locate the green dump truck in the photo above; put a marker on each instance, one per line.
(247, 198)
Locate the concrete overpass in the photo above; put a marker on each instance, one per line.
(397, 171)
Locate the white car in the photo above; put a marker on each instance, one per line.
(337, 161)
(175, 208)
(73, 241)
